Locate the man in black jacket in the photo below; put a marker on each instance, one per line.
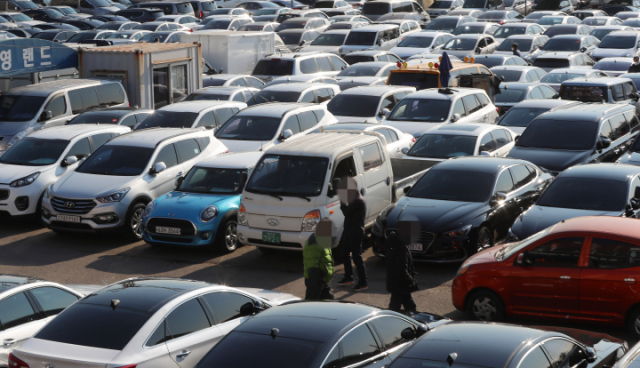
(635, 67)
(354, 210)
(400, 271)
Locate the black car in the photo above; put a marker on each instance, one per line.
(129, 116)
(480, 344)
(45, 15)
(615, 9)
(141, 15)
(584, 190)
(317, 334)
(55, 35)
(585, 133)
(122, 25)
(24, 32)
(168, 8)
(58, 27)
(458, 219)
(108, 18)
(83, 24)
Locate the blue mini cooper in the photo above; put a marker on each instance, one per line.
(203, 209)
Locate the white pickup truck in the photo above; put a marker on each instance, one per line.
(292, 186)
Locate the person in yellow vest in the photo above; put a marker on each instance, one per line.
(318, 262)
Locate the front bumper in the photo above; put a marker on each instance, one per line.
(89, 221)
(289, 240)
(19, 201)
(435, 250)
(194, 233)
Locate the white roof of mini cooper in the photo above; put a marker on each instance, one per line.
(68, 132)
(239, 160)
(322, 144)
(197, 106)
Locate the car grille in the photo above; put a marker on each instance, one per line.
(186, 227)
(74, 206)
(4, 194)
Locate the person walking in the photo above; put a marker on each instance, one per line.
(635, 66)
(514, 47)
(318, 262)
(400, 271)
(354, 209)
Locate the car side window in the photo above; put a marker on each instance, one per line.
(308, 66)
(530, 78)
(207, 120)
(606, 131)
(239, 97)
(612, 254)
(617, 92)
(322, 95)
(371, 157)
(307, 120)
(458, 108)
(239, 82)
(547, 92)
(521, 175)
(224, 115)
(487, 144)
(187, 149)
(253, 82)
(83, 99)
(628, 90)
(504, 183)
(57, 105)
(388, 103)
(535, 359)
(562, 252)
(308, 97)
(385, 133)
(501, 137)
(471, 103)
(619, 126)
(100, 139)
(110, 94)
(563, 353)
(632, 119)
(188, 318)
(16, 310)
(168, 156)
(80, 149)
(390, 329)
(536, 94)
(358, 345)
(53, 300)
(226, 305)
(129, 121)
(484, 100)
(292, 124)
(338, 64)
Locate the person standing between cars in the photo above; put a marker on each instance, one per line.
(400, 271)
(354, 209)
(635, 66)
(514, 47)
(318, 262)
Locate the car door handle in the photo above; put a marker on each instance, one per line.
(184, 354)
(629, 280)
(565, 277)
(8, 342)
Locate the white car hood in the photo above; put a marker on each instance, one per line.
(331, 49)
(88, 186)
(272, 296)
(602, 53)
(357, 119)
(9, 173)
(417, 129)
(632, 158)
(243, 146)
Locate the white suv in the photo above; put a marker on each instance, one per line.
(320, 64)
(427, 109)
(112, 187)
(42, 158)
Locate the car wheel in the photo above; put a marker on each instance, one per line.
(228, 238)
(485, 305)
(484, 239)
(633, 323)
(38, 213)
(133, 223)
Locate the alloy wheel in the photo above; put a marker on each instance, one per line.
(136, 222)
(485, 309)
(231, 236)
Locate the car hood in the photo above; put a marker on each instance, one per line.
(538, 218)
(602, 53)
(357, 119)
(241, 146)
(417, 129)
(485, 256)
(8, 128)
(183, 203)
(9, 173)
(331, 49)
(112, 9)
(631, 158)
(550, 159)
(8, 25)
(85, 186)
(405, 52)
(271, 296)
(435, 215)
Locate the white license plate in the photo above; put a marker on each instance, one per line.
(67, 218)
(415, 246)
(168, 230)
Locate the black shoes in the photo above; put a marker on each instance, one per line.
(345, 281)
(360, 286)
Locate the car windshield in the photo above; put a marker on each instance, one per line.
(453, 185)
(550, 21)
(551, 63)
(250, 28)
(82, 36)
(290, 38)
(509, 75)
(249, 128)
(468, 30)
(354, 105)
(361, 38)
(266, 12)
(440, 24)
(34, 152)
(218, 24)
(512, 248)
(562, 44)
(117, 161)
(419, 42)
(95, 118)
(68, 10)
(460, 44)
(119, 36)
(492, 16)
(206, 97)
(273, 96)
(360, 70)
(562, 135)
(490, 62)
(613, 65)
(220, 11)
(421, 110)
(169, 119)
(152, 37)
(329, 40)
(273, 67)
(443, 146)
(521, 117)
(560, 30)
(585, 194)
(291, 25)
(600, 33)
(19, 107)
(617, 42)
(510, 95)
(523, 45)
(584, 93)
(375, 8)
(592, 21)
(20, 18)
(441, 4)
(506, 31)
(289, 175)
(46, 35)
(559, 77)
(208, 180)
(323, 4)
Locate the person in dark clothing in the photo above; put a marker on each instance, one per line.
(635, 66)
(354, 210)
(514, 47)
(400, 271)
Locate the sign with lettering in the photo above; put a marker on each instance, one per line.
(31, 55)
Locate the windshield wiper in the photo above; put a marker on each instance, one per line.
(297, 195)
(273, 195)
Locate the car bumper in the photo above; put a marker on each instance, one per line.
(90, 221)
(459, 292)
(435, 251)
(198, 234)
(289, 240)
(19, 201)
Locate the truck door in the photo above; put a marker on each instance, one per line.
(376, 180)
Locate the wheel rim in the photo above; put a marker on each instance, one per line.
(231, 236)
(484, 240)
(136, 222)
(637, 325)
(485, 309)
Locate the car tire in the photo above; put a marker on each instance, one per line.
(228, 236)
(633, 323)
(133, 222)
(38, 213)
(484, 239)
(485, 305)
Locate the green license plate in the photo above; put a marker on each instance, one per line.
(269, 237)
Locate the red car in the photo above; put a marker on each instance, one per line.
(586, 269)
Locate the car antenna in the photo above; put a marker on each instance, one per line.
(114, 303)
(274, 332)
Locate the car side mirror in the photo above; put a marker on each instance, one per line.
(380, 41)
(333, 187)
(456, 117)
(583, 49)
(524, 259)
(286, 134)
(247, 309)
(406, 189)
(556, 96)
(302, 43)
(408, 334)
(606, 142)
(157, 168)
(385, 112)
(70, 160)
(536, 47)
(498, 197)
(404, 150)
(592, 355)
(179, 181)
(516, 138)
(46, 115)
(635, 95)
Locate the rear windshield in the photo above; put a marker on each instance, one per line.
(184, 8)
(19, 107)
(354, 59)
(559, 44)
(452, 185)
(418, 42)
(329, 40)
(522, 44)
(34, 152)
(421, 110)
(218, 24)
(274, 96)
(509, 75)
(617, 42)
(273, 67)
(504, 32)
(360, 70)
(441, 4)
(290, 38)
(584, 93)
(291, 25)
(376, 8)
(169, 119)
(510, 95)
(521, 117)
(78, 326)
(361, 38)
(585, 194)
(612, 65)
(490, 62)
(550, 21)
(440, 24)
(354, 105)
(591, 21)
(206, 96)
(563, 135)
(551, 63)
(95, 118)
(474, 4)
(443, 146)
(418, 80)
(249, 128)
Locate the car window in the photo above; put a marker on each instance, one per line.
(53, 300)
(307, 120)
(371, 157)
(100, 139)
(606, 131)
(471, 103)
(619, 126)
(253, 82)
(80, 149)
(487, 144)
(186, 319)
(536, 94)
(322, 95)
(484, 100)
(562, 252)
(504, 183)
(110, 94)
(535, 359)
(57, 105)
(388, 103)
(167, 155)
(632, 119)
(617, 92)
(224, 115)
(389, 329)
(358, 345)
(207, 120)
(308, 97)
(239, 82)
(547, 92)
(292, 124)
(458, 108)
(521, 175)
(238, 97)
(226, 305)
(129, 121)
(563, 353)
(530, 78)
(16, 310)
(385, 133)
(83, 99)
(338, 64)
(308, 66)
(324, 65)
(187, 149)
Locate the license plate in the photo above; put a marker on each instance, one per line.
(416, 246)
(66, 218)
(269, 237)
(168, 230)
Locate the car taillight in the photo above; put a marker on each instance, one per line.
(191, 30)
(128, 366)
(16, 363)
(413, 139)
(497, 110)
(201, 14)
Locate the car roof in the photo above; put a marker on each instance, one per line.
(617, 226)
(68, 132)
(523, 37)
(437, 93)
(520, 85)
(46, 88)
(315, 321)
(237, 160)
(514, 67)
(485, 164)
(574, 70)
(520, 25)
(296, 30)
(474, 36)
(349, 126)
(298, 20)
(570, 36)
(296, 86)
(375, 64)
(321, 144)
(150, 138)
(586, 112)
(274, 109)
(368, 52)
(464, 129)
(373, 90)
(627, 33)
(494, 56)
(375, 27)
(143, 294)
(558, 54)
(195, 106)
(608, 171)
(596, 81)
(8, 282)
(549, 103)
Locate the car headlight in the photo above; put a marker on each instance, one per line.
(149, 208)
(511, 237)
(16, 138)
(113, 197)
(242, 216)
(48, 191)
(462, 270)
(310, 220)
(208, 214)
(457, 232)
(628, 55)
(25, 181)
